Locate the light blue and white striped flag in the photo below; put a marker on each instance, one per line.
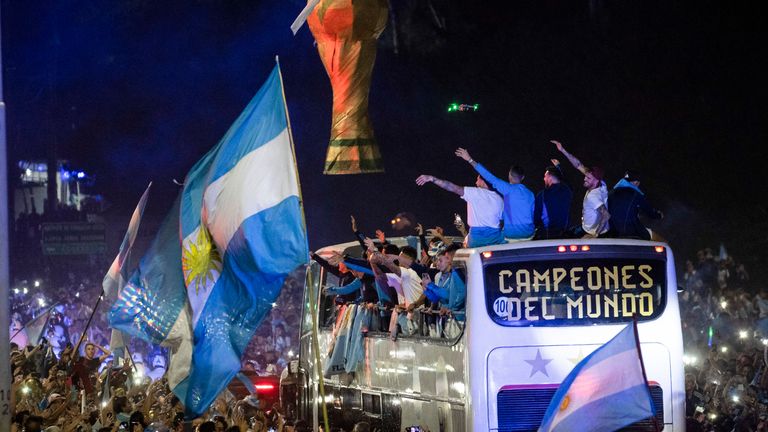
(606, 391)
(221, 256)
(242, 232)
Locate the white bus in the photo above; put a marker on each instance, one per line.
(534, 310)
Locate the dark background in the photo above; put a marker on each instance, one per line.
(133, 91)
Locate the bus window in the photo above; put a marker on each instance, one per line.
(328, 307)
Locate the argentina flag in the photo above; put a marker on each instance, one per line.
(242, 232)
(604, 392)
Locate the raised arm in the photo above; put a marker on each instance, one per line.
(571, 158)
(358, 235)
(497, 183)
(443, 184)
(105, 353)
(330, 268)
(379, 258)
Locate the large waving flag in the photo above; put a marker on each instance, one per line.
(221, 256)
(606, 391)
(242, 232)
(116, 278)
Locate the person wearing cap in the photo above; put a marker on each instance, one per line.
(484, 209)
(594, 210)
(518, 199)
(625, 202)
(551, 212)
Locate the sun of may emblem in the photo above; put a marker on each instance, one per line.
(200, 262)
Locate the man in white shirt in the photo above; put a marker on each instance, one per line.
(401, 277)
(484, 209)
(594, 212)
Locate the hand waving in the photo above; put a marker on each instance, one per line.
(463, 153)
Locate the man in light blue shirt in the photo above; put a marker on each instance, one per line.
(518, 199)
(448, 289)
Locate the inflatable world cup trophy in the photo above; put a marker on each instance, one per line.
(346, 32)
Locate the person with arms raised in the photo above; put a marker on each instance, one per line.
(518, 199)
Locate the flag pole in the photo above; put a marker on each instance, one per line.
(87, 324)
(312, 298)
(642, 367)
(6, 376)
(293, 147)
(316, 346)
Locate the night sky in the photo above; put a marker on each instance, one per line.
(137, 90)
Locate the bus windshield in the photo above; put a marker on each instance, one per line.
(582, 288)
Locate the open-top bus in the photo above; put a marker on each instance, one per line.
(534, 309)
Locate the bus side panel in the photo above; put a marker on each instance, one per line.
(405, 373)
(676, 349)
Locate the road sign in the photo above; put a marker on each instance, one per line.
(74, 238)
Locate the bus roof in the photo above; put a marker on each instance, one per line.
(464, 253)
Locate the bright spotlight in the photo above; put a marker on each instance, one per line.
(743, 334)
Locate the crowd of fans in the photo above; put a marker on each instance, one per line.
(65, 377)
(399, 289)
(725, 332)
(59, 385)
